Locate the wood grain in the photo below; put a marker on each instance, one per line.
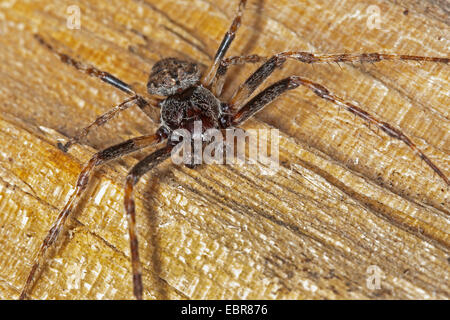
(345, 198)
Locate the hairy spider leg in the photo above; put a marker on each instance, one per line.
(310, 58)
(99, 158)
(224, 46)
(88, 69)
(278, 60)
(98, 122)
(133, 177)
(219, 80)
(276, 89)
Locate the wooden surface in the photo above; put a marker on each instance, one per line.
(345, 198)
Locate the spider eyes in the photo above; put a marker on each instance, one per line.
(170, 76)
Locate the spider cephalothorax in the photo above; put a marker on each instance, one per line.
(190, 98)
(187, 101)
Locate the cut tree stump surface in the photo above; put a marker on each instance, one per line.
(345, 201)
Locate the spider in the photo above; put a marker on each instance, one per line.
(184, 96)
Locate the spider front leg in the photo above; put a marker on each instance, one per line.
(133, 177)
(224, 46)
(273, 91)
(99, 158)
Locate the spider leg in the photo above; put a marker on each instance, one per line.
(132, 178)
(278, 60)
(87, 69)
(225, 44)
(99, 158)
(219, 80)
(101, 120)
(276, 89)
(307, 57)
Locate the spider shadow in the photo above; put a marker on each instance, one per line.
(150, 187)
(58, 249)
(257, 25)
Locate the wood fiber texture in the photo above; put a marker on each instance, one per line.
(345, 200)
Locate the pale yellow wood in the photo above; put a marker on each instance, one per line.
(345, 198)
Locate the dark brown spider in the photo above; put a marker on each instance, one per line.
(192, 97)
